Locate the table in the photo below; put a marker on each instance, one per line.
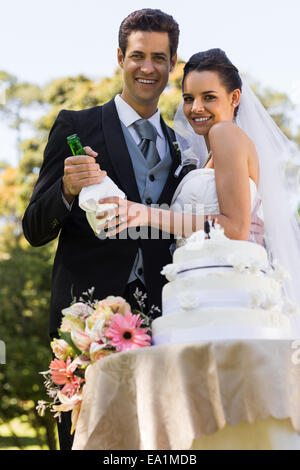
(204, 395)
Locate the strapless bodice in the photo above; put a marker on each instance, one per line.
(199, 187)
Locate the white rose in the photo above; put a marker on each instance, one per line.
(258, 299)
(170, 271)
(188, 300)
(78, 310)
(235, 259)
(278, 272)
(240, 268)
(195, 241)
(217, 233)
(290, 308)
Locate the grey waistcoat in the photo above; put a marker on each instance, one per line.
(150, 183)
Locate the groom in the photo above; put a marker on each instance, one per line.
(148, 41)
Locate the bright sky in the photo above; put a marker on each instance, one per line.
(45, 40)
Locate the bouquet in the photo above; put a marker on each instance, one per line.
(90, 330)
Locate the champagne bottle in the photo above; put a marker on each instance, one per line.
(75, 145)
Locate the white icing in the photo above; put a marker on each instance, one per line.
(222, 250)
(220, 317)
(219, 283)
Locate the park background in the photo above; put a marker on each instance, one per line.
(62, 55)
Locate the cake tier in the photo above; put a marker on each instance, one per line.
(207, 324)
(220, 251)
(220, 287)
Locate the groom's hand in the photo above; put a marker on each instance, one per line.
(81, 171)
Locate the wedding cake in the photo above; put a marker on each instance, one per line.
(221, 289)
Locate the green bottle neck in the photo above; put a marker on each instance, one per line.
(76, 147)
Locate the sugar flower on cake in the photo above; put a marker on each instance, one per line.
(278, 272)
(217, 233)
(125, 333)
(258, 298)
(171, 271)
(237, 261)
(273, 301)
(290, 308)
(267, 300)
(244, 262)
(255, 270)
(188, 300)
(195, 241)
(240, 268)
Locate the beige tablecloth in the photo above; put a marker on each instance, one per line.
(199, 395)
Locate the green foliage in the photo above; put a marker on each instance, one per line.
(24, 296)
(71, 93)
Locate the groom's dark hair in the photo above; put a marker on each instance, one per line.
(149, 20)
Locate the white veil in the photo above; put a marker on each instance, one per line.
(282, 229)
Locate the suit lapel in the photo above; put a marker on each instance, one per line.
(172, 182)
(118, 151)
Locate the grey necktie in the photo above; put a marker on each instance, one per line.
(148, 135)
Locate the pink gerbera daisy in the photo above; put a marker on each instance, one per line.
(73, 387)
(61, 371)
(125, 333)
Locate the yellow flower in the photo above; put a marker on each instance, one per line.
(102, 312)
(69, 322)
(61, 349)
(99, 354)
(116, 304)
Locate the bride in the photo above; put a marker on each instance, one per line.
(241, 181)
(226, 185)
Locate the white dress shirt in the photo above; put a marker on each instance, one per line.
(128, 116)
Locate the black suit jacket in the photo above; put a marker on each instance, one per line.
(82, 260)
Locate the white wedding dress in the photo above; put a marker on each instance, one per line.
(198, 188)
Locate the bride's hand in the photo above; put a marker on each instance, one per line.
(126, 214)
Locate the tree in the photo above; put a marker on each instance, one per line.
(20, 98)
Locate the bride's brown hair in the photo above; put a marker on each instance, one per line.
(217, 61)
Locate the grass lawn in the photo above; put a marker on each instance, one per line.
(19, 435)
